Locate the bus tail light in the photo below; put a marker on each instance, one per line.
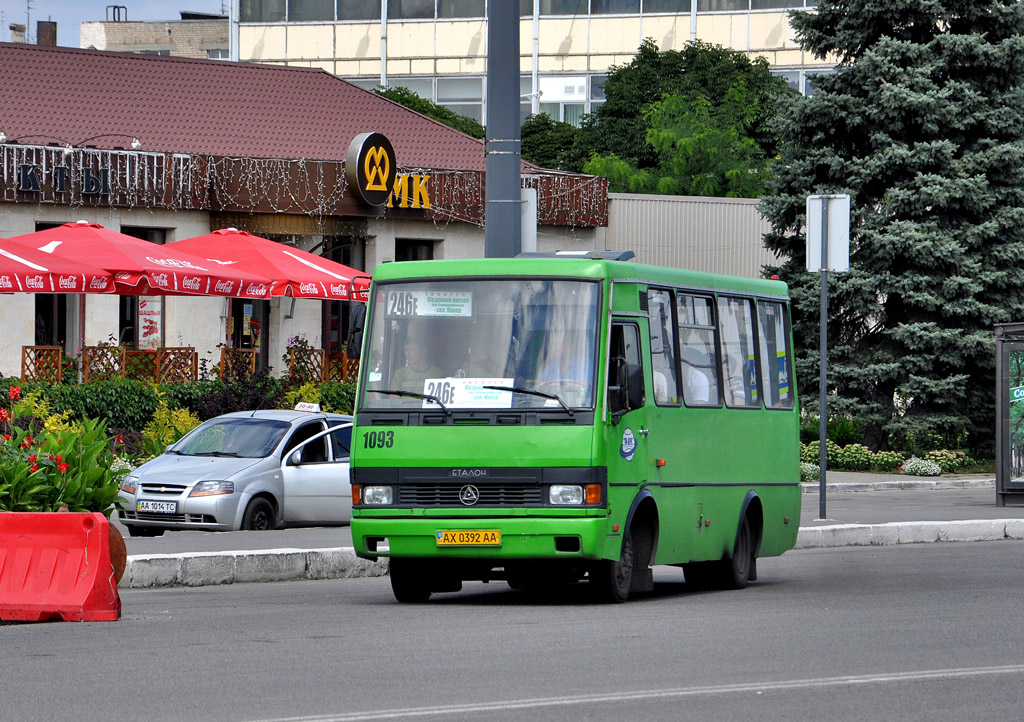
(593, 494)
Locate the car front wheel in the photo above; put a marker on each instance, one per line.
(259, 516)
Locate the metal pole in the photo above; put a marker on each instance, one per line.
(384, 44)
(502, 221)
(823, 400)
(534, 90)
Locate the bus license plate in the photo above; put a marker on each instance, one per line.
(160, 507)
(469, 537)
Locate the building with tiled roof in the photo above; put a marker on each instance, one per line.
(169, 148)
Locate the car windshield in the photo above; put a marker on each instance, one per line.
(243, 437)
(482, 343)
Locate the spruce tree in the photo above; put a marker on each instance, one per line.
(922, 123)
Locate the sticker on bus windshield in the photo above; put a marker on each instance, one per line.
(454, 304)
(468, 393)
(628, 445)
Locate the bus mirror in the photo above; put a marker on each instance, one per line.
(628, 393)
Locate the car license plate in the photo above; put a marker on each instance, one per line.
(159, 507)
(469, 537)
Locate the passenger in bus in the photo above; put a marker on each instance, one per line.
(696, 387)
(417, 367)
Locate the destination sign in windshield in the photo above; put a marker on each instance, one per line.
(454, 304)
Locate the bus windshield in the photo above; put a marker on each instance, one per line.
(491, 343)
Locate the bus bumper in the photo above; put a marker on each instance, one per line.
(529, 538)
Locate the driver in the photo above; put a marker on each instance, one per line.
(567, 361)
(417, 367)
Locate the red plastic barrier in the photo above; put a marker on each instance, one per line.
(56, 566)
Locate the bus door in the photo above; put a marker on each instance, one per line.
(626, 428)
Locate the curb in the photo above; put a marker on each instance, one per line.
(909, 532)
(900, 484)
(285, 565)
(270, 565)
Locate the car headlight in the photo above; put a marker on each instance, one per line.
(213, 488)
(128, 485)
(378, 495)
(574, 494)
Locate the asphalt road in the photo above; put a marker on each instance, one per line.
(846, 507)
(910, 632)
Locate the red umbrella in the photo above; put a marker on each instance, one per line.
(294, 273)
(27, 270)
(143, 268)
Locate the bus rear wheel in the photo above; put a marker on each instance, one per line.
(408, 582)
(612, 579)
(736, 572)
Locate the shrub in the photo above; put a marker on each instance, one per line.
(921, 467)
(854, 457)
(167, 426)
(809, 453)
(809, 472)
(122, 402)
(887, 461)
(338, 397)
(947, 460)
(44, 470)
(257, 391)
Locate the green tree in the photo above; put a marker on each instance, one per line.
(701, 149)
(620, 125)
(406, 97)
(544, 140)
(922, 123)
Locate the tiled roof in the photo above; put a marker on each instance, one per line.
(210, 107)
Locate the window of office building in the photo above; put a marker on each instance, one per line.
(706, 6)
(358, 9)
(411, 9)
(462, 95)
(261, 11)
(310, 10)
(461, 8)
(555, 7)
(614, 7)
(666, 6)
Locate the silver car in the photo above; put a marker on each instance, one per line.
(247, 470)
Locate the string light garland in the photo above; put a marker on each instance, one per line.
(316, 189)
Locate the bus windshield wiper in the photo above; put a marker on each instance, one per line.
(428, 397)
(533, 392)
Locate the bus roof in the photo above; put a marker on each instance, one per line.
(574, 267)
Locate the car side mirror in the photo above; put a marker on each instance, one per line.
(295, 458)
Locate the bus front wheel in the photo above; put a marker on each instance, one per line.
(408, 582)
(612, 579)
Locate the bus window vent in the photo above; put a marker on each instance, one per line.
(643, 302)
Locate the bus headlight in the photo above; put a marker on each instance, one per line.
(378, 495)
(564, 494)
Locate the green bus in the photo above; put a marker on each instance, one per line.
(558, 418)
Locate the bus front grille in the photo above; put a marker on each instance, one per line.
(435, 494)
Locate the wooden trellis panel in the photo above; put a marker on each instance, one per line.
(141, 366)
(177, 364)
(102, 363)
(307, 364)
(237, 363)
(41, 363)
(341, 368)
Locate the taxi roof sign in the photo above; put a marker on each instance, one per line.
(307, 406)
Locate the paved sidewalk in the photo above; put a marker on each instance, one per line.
(861, 510)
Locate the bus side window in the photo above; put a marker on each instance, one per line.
(736, 320)
(775, 355)
(664, 369)
(625, 372)
(698, 350)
